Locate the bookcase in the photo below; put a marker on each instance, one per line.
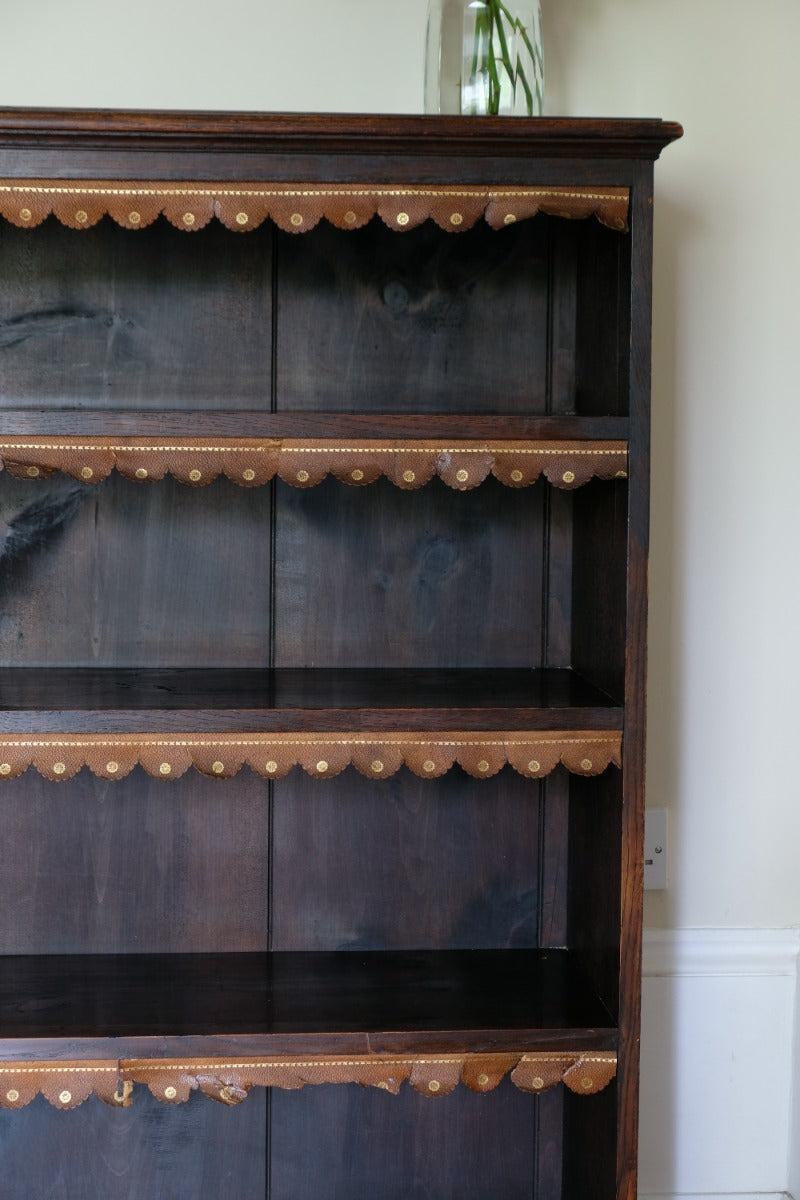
(324, 517)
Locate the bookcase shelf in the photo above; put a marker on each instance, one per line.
(350, 779)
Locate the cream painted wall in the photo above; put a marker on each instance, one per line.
(725, 632)
(725, 573)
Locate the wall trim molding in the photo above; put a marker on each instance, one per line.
(714, 1196)
(721, 952)
(719, 1064)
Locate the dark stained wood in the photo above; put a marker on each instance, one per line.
(207, 1149)
(461, 689)
(287, 134)
(489, 609)
(149, 576)
(129, 868)
(430, 324)
(416, 573)
(402, 865)
(417, 999)
(222, 423)
(632, 831)
(602, 322)
(364, 1143)
(115, 319)
(599, 622)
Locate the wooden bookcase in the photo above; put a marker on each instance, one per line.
(322, 632)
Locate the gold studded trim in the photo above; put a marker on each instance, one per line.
(252, 462)
(63, 1084)
(322, 755)
(66, 1084)
(298, 207)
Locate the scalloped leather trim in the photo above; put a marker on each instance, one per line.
(251, 462)
(67, 1084)
(322, 755)
(64, 1084)
(298, 207)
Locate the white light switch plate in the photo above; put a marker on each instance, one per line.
(655, 848)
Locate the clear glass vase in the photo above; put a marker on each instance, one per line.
(484, 58)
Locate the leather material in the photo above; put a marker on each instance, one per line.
(322, 755)
(65, 1085)
(298, 207)
(251, 462)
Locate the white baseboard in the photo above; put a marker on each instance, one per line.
(717, 1063)
(716, 1196)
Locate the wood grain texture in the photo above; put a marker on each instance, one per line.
(540, 330)
(148, 1149)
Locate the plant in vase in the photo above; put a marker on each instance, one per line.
(484, 57)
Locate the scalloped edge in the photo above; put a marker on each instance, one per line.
(252, 462)
(298, 207)
(58, 757)
(66, 1085)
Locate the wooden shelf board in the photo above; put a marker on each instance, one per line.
(298, 1004)
(90, 699)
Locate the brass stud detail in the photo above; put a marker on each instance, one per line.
(86, 472)
(409, 476)
(189, 219)
(377, 766)
(483, 765)
(195, 475)
(587, 1084)
(134, 218)
(483, 1080)
(456, 218)
(429, 765)
(568, 477)
(59, 768)
(81, 216)
(165, 768)
(249, 474)
(242, 218)
(509, 219)
(586, 764)
(462, 476)
(302, 476)
(537, 1082)
(141, 473)
(434, 1085)
(271, 766)
(322, 766)
(13, 1095)
(296, 219)
(534, 766)
(218, 767)
(357, 475)
(350, 217)
(32, 472)
(25, 214)
(170, 1092)
(402, 218)
(516, 475)
(5, 768)
(65, 1096)
(112, 767)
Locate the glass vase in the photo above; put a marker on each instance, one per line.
(484, 58)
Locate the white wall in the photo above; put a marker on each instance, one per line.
(725, 629)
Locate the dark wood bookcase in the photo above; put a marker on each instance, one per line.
(324, 517)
